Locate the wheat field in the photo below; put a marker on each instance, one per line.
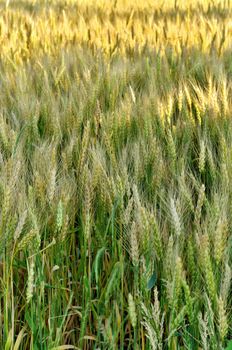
(115, 175)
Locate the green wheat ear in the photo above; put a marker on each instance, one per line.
(59, 216)
(132, 310)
